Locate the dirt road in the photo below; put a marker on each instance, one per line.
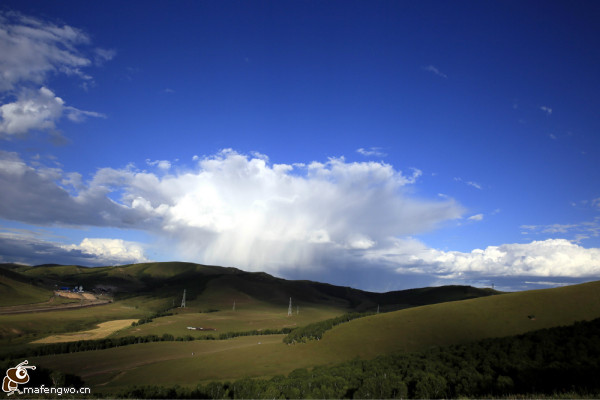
(45, 307)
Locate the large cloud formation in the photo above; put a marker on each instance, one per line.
(239, 210)
(232, 209)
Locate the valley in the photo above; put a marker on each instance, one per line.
(154, 345)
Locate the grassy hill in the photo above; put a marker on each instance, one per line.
(422, 318)
(16, 289)
(466, 321)
(219, 286)
(418, 328)
(142, 290)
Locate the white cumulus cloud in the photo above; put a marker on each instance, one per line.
(547, 258)
(110, 251)
(234, 209)
(31, 111)
(239, 210)
(33, 247)
(37, 110)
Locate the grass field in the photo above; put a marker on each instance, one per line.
(250, 314)
(13, 292)
(466, 321)
(103, 330)
(171, 363)
(131, 364)
(142, 290)
(259, 317)
(16, 330)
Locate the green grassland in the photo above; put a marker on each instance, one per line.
(163, 278)
(141, 290)
(217, 287)
(13, 292)
(423, 318)
(413, 329)
(466, 321)
(132, 364)
(16, 330)
(259, 317)
(250, 314)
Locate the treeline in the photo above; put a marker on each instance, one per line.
(230, 335)
(316, 330)
(101, 344)
(146, 320)
(164, 313)
(557, 362)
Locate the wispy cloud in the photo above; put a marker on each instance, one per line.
(164, 165)
(476, 217)
(103, 55)
(593, 203)
(434, 70)
(577, 231)
(470, 183)
(31, 50)
(371, 152)
(547, 110)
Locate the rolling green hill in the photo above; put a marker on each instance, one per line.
(142, 290)
(218, 286)
(14, 292)
(465, 321)
(17, 289)
(407, 330)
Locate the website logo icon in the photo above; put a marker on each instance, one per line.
(16, 376)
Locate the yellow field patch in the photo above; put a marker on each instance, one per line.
(103, 330)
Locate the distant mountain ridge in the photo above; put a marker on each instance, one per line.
(167, 279)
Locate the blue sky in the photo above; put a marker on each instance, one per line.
(377, 144)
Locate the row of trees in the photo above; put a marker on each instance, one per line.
(316, 330)
(561, 361)
(146, 320)
(101, 344)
